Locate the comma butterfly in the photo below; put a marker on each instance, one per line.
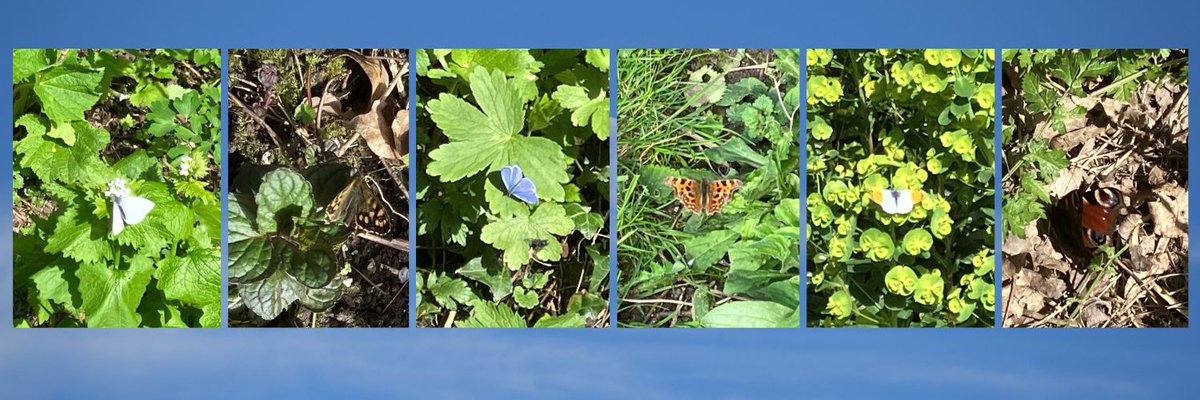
(703, 196)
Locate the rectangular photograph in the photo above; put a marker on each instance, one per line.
(512, 188)
(901, 199)
(708, 164)
(318, 199)
(1095, 188)
(116, 188)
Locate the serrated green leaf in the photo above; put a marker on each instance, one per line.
(598, 58)
(511, 62)
(515, 235)
(489, 139)
(28, 61)
(585, 110)
(67, 90)
(449, 292)
(489, 315)
(193, 279)
(268, 297)
(496, 278)
(111, 296)
(55, 285)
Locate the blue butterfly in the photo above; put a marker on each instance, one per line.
(517, 185)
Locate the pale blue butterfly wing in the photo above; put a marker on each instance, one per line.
(517, 185)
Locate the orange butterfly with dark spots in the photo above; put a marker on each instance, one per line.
(703, 196)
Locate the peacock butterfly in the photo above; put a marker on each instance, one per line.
(1085, 219)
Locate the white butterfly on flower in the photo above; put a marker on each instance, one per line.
(127, 209)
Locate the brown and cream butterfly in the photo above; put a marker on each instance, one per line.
(703, 196)
(359, 207)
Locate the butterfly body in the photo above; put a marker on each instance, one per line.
(517, 185)
(894, 201)
(359, 207)
(703, 196)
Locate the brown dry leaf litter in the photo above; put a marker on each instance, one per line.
(1139, 147)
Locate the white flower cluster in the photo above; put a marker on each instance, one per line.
(183, 165)
(117, 188)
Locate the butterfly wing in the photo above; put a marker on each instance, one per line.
(524, 190)
(719, 194)
(687, 191)
(511, 175)
(358, 206)
(896, 201)
(118, 220)
(134, 209)
(343, 203)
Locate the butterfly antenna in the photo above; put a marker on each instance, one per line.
(375, 187)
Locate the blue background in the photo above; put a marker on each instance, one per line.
(813, 363)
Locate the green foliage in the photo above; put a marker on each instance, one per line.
(489, 256)
(1049, 77)
(682, 113)
(281, 249)
(907, 119)
(87, 118)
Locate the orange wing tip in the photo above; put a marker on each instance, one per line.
(877, 196)
(918, 196)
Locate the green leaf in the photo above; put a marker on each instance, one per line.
(283, 195)
(111, 296)
(593, 110)
(54, 285)
(54, 162)
(511, 62)
(193, 279)
(489, 139)
(598, 58)
(496, 278)
(560, 321)
(706, 250)
(490, 315)
(67, 90)
(268, 297)
(746, 87)
(449, 292)
(748, 314)
(526, 299)
(514, 235)
(28, 61)
(82, 241)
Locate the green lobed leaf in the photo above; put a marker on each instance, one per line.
(111, 296)
(515, 235)
(489, 139)
(490, 315)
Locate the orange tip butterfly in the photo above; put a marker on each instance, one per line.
(897, 201)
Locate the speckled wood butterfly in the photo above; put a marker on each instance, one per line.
(359, 207)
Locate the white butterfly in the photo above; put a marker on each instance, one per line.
(897, 201)
(127, 209)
